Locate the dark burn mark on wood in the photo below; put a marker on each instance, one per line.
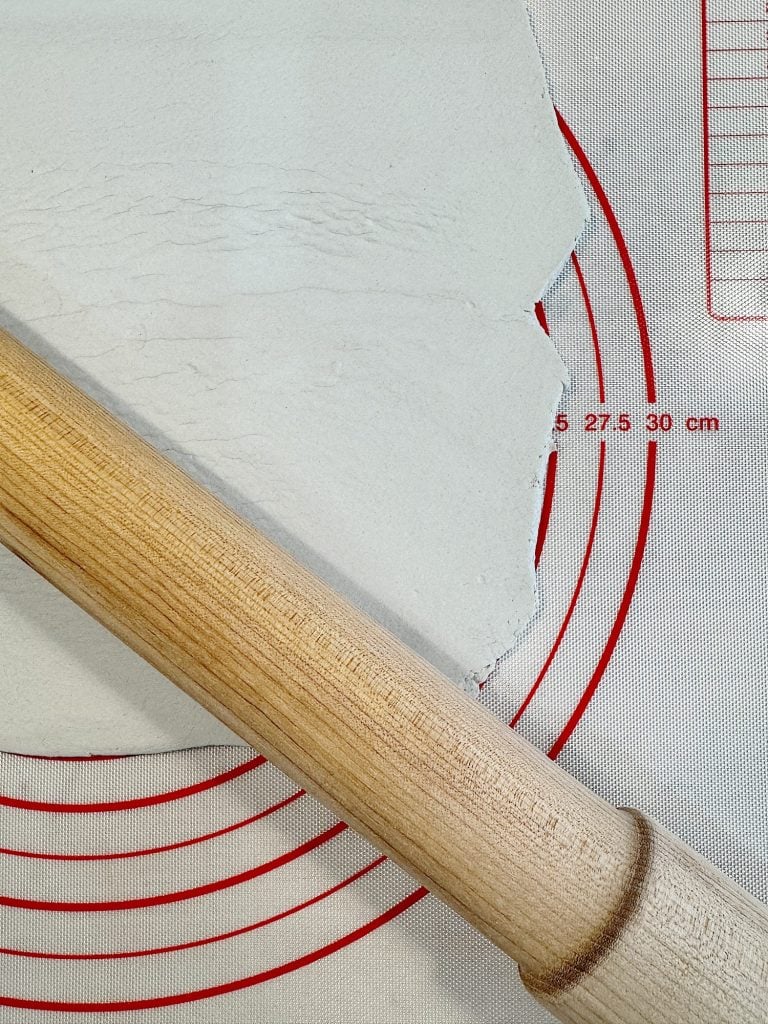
(581, 965)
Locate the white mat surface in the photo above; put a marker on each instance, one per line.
(297, 246)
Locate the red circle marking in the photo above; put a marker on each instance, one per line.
(650, 468)
(621, 246)
(130, 953)
(231, 986)
(547, 500)
(648, 369)
(125, 854)
(592, 326)
(184, 894)
(548, 497)
(621, 614)
(550, 474)
(141, 801)
(576, 592)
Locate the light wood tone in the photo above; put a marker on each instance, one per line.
(610, 919)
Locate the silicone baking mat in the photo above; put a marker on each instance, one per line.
(203, 886)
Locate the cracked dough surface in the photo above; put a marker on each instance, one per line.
(297, 247)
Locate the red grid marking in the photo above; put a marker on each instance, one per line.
(728, 176)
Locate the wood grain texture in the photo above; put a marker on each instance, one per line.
(610, 918)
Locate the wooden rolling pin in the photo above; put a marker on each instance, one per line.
(610, 918)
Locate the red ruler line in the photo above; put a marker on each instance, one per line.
(730, 262)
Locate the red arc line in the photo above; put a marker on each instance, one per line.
(550, 473)
(592, 327)
(549, 489)
(621, 615)
(232, 986)
(125, 854)
(141, 801)
(131, 953)
(621, 246)
(639, 311)
(576, 592)
(184, 894)
(547, 500)
(541, 316)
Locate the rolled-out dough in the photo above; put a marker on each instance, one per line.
(297, 247)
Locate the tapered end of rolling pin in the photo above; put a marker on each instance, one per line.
(683, 946)
(612, 920)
